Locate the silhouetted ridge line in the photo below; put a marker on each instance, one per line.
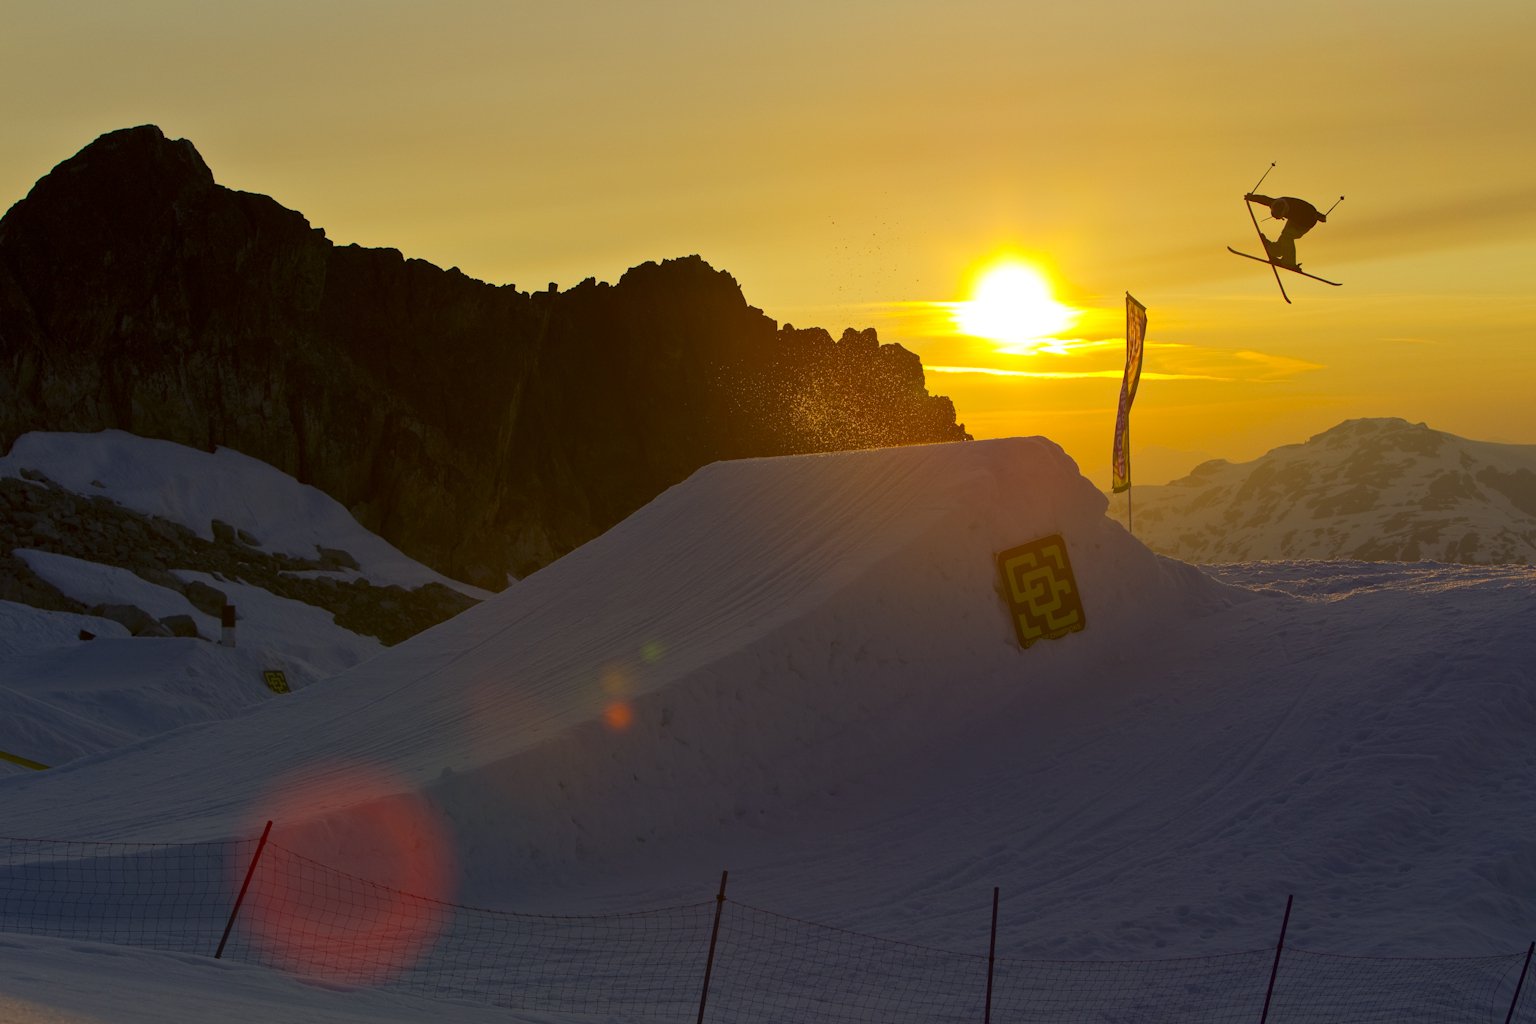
(481, 429)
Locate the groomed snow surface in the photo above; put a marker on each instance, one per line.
(801, 669)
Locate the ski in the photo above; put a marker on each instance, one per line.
(1282, 266)
(1262, 241)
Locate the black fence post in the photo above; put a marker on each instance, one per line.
(249, 873)
(1284, 923)
(1520, 984)
(991, 959)
(709, 964)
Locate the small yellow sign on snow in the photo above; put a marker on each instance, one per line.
(1040, 590)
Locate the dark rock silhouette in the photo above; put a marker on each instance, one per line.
(482, 430)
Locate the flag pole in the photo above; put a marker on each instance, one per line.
(1130, 517)
(1135, 337)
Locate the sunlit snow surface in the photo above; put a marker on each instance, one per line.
(801, 669)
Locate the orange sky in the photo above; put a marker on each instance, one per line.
(857, 163)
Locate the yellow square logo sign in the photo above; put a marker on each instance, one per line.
(1040, 590)
(276, 681)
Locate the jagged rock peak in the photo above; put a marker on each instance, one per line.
(144, 145)
(692, 273)
(127, 167)
(483, 431)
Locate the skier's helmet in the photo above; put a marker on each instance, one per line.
(1279, 208)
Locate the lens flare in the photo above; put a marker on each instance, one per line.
(352, 885)
(615, 681)
(618, 716)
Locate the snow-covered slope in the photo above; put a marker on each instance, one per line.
(753, 620)
(122, 529)
(195, 488)
(801, 669)
(1371, 489)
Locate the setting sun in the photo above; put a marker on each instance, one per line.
(1012, 304)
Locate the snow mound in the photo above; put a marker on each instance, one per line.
(763, 610)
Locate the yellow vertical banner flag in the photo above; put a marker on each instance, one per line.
(1135, 335)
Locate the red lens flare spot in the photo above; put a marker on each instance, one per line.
(618, 716)
(352, 885)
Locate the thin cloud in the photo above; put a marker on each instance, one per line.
(994, 371)
(1273, 367)
(1464, 221)
(1174, 361)
(1079, 358)
(1360, 232)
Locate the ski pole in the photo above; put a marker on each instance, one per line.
(1336, 202)
(1263, 176)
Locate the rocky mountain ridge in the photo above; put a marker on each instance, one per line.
(480, 429)
(1382, 490)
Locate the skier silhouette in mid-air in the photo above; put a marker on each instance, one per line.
(1300, 217)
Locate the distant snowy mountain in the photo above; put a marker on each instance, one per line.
(118, 556)
(1380, 490)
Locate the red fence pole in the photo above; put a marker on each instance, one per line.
(709, 964)
(991, 959)
(1284, 922)
(1521, 983)
(261, 845)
